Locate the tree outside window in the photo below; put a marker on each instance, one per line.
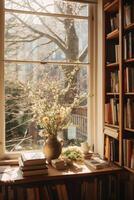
(46, 45)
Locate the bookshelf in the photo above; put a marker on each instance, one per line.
(119, 82)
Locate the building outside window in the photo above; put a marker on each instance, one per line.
(46, 68)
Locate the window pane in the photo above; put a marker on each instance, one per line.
(36, 91)
(31, 37)
(49, 6)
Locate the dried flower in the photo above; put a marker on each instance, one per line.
(51, 101)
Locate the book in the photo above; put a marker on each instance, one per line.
(128, 13)
(107, 148)
(108, 113)
(129, 113)
(96, 163)
(58, 164)
(35, 172)
(112, 132)
(30, 167)
(33, 158)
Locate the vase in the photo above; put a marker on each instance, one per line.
(52, 148)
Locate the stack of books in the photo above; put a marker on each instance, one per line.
(96, 163)
(33, 163)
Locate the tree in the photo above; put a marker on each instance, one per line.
(44, 35)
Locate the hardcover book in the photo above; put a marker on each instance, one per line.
(35, 172)
(33, 158)
(96, 163)
(31, 167)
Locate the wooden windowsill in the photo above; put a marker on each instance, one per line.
(77, 170)
(11, 162)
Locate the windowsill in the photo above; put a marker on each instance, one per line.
(11, 162)
(78, 170)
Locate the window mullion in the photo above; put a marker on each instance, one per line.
(2, 118)
(45, 14)
(46, 62)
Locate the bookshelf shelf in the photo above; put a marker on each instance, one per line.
(112, 65)
(112, 94)
(117, 163)
(129, 27)
(113, 35)
(129, 60)
(111, 7)
(129, 93)
(111, 125)
(129, 169)
(129, 130)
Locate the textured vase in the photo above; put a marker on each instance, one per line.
(52, 148)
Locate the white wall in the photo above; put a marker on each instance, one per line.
(99, 81)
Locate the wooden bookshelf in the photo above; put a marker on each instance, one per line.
(123, 107)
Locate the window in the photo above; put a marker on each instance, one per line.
(46, 67)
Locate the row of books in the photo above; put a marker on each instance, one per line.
(129, 45)
(33, 163)
(128, 16)
(114, 21)
(128, 186)
(112, 112)
(111, 149)
(128, 153)
(128, 13)
(113, 53)
(129, 113)
(77, 189)
(129, 79)
(114, 78)
(111, 131)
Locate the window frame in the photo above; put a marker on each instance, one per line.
(91, 78)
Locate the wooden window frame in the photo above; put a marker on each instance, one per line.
(91, 71)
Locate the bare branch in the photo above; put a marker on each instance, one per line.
(83, 54)
(42, 34)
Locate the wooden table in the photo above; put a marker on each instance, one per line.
(76, 173)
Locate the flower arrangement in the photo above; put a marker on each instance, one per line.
(56, 120)
(53, 99)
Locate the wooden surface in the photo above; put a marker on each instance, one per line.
(77, 170)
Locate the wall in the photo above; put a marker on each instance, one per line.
(99, 81)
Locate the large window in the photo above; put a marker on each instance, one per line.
(46, 67)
